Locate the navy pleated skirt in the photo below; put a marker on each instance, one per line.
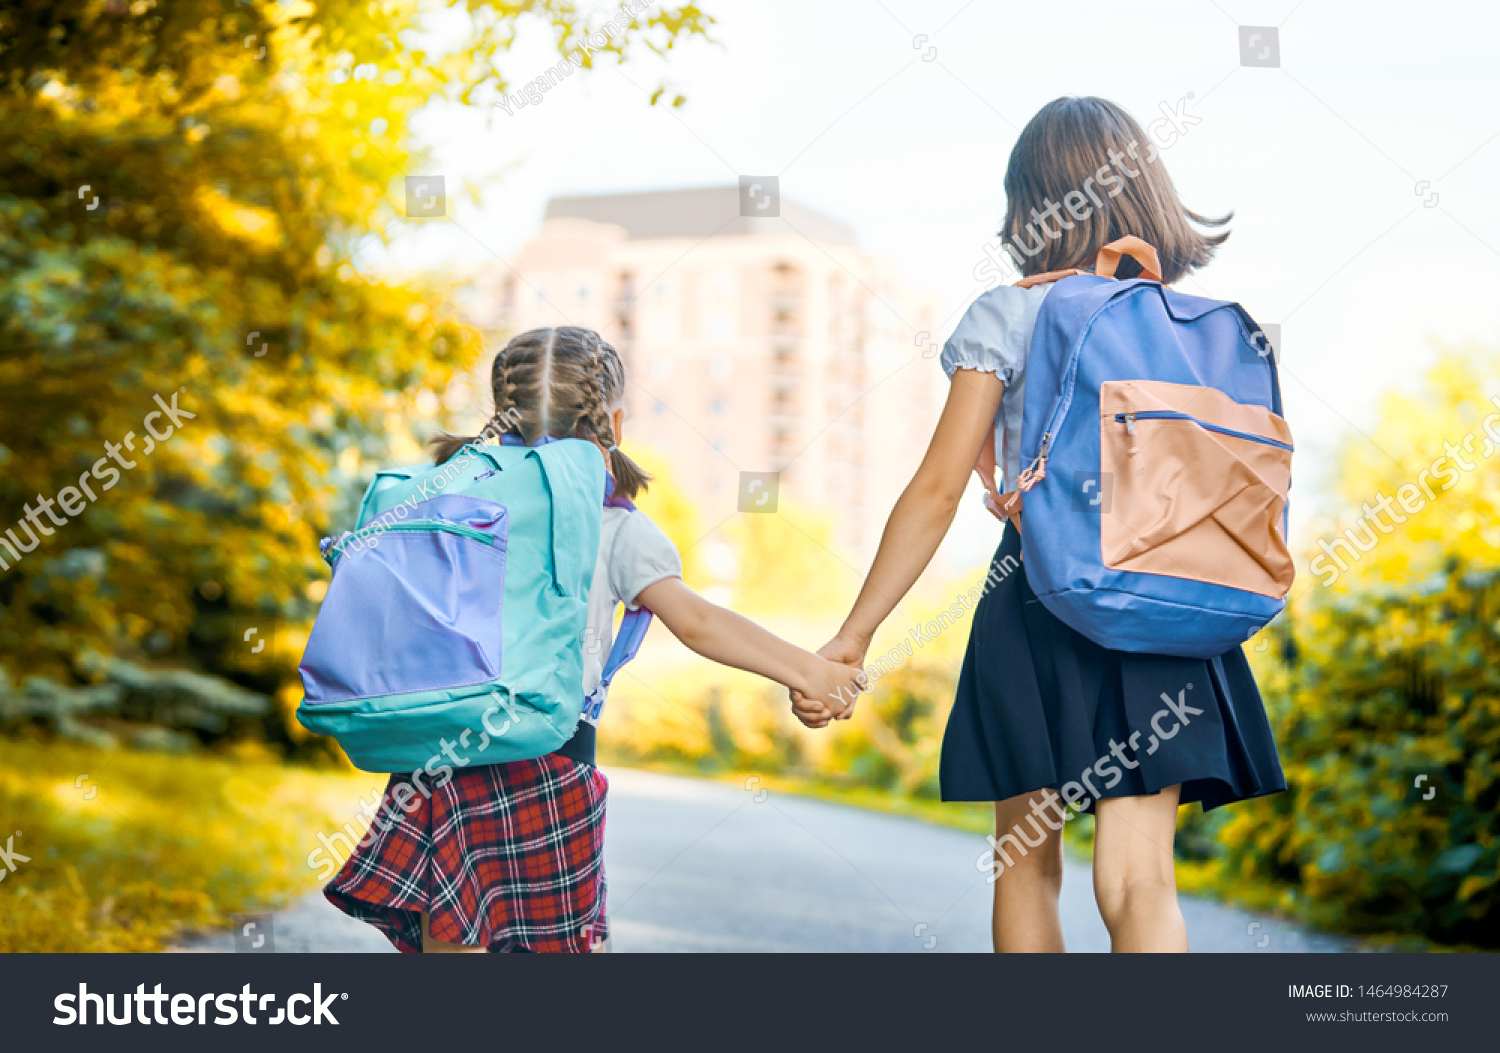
(1040, 705)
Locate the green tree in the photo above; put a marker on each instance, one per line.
(184, 188)
(670, 509)
(1384, 685)
(790, 561)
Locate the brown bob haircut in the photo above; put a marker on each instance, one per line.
(1084, 173)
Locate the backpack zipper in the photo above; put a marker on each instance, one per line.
(1037, 470)
(1070, 377)
(420, 526)
(1129, 420)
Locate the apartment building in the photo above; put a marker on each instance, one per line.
(752, 345)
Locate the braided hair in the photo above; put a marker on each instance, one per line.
(561, 382)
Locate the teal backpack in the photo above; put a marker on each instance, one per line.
(453, 628)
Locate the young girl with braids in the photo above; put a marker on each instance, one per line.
(508, 857)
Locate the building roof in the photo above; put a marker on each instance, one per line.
(697, 213)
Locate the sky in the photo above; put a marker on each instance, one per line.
(1356, 170)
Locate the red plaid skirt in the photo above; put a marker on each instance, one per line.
(504, 856)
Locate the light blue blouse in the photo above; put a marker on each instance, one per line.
(994, 336)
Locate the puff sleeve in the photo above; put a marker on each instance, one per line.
(994, 334)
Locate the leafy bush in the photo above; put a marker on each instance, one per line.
(1385, 695)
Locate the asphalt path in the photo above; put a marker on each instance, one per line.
(695, 865)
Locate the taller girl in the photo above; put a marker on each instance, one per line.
(1038, 703)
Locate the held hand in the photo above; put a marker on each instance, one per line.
(831, 692)
(811, 712)
(846, 656)
(849, 653)
(844, 651)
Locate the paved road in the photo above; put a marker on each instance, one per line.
(703, 866)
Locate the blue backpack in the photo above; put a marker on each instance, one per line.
(1159, 464)
(454, 623)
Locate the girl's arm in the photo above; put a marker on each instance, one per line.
(919, 521)
(729, 639)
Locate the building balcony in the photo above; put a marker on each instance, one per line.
(786, 302)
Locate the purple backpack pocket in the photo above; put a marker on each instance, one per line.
(414, 605)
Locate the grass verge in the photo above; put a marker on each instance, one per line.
(165, 843)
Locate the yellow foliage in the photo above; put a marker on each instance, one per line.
(168, 842)
(256, 226)
(789, 561)
(671, 509)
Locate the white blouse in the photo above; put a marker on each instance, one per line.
(994, 336)
(633, 553)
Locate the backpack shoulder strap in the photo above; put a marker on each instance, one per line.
(1008, 506)
(627, 644)
(1275, 383)
(577, 494)
(632, 627)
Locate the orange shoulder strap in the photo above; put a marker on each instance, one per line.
(1050, 276)
(1107, 262)
(1001, 507)
(1009, 505)
(1136, 249)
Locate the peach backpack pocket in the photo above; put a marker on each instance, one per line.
(1200, 486)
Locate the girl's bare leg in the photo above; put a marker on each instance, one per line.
(1027, 888)
(1134, 881)
(434, 946)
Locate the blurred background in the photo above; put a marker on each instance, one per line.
(252, 251)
